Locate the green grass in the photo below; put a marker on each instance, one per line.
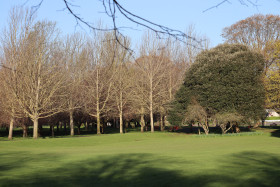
(136, 159)
(273, 118)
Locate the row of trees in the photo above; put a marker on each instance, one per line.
(44, 76)
(96, 79)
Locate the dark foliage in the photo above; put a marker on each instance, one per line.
(224, 79)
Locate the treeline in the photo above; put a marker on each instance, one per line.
(47, 79)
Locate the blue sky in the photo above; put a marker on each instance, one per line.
(176, 14)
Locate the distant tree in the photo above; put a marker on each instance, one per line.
(223, 79)
(99, 78)
(152, 67)
(122, 83)
(272, 80)
(257, 32)
(75, 64)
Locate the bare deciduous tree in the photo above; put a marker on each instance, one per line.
(123, 81)
(38, 72)
(257, 32)
(75, 58)
(100, 74)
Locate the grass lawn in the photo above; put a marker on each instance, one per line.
(273, 118)
(135, 159)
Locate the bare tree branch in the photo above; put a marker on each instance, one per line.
(242, 2)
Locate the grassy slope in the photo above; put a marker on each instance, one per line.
(135, 159)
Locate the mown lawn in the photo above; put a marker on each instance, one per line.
(273, 118)
(136, 159)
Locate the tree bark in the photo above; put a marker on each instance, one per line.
(35, 128)
(98, 122)
(86, 126)
(24, 129)
(10, 137)
(161, 122)
(142, 119)
(121, 123)
(72, 132)
(79, 129)
(151, 109)
(52, 128)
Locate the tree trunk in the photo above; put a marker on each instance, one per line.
(151, 105)
(40, 130)
(126, 126)
(72, 132)
(98, 123)
(86, 126)
(223, 128)
(10, 137)
(151, 113)
(24, 129)
(142, 119)
(52, 127)
(35, 128)
(79, 129)
(161, 122)
(121, 123)
(205, 128)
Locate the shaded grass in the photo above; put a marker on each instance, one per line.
(141, 159)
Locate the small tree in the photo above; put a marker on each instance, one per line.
(196, 113)
(226, 120)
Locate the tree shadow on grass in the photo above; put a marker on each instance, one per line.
(275, 132)
(242, 169)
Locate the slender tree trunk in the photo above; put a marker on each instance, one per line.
(142, 122)
(151, 106)
(79, 129)
(126, 126)
(10, 137)
(121, 113)
(52, 127)
(198, 128)
(24, 129)
(142, 119)
(35, 127)
(98, 121)
(72, 132)
(161, 122)
(86, 126)
(152, 119)
(121, 123)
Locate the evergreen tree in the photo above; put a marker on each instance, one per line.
(227, 78)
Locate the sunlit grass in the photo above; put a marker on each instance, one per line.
(273, 118)
(142, 159)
